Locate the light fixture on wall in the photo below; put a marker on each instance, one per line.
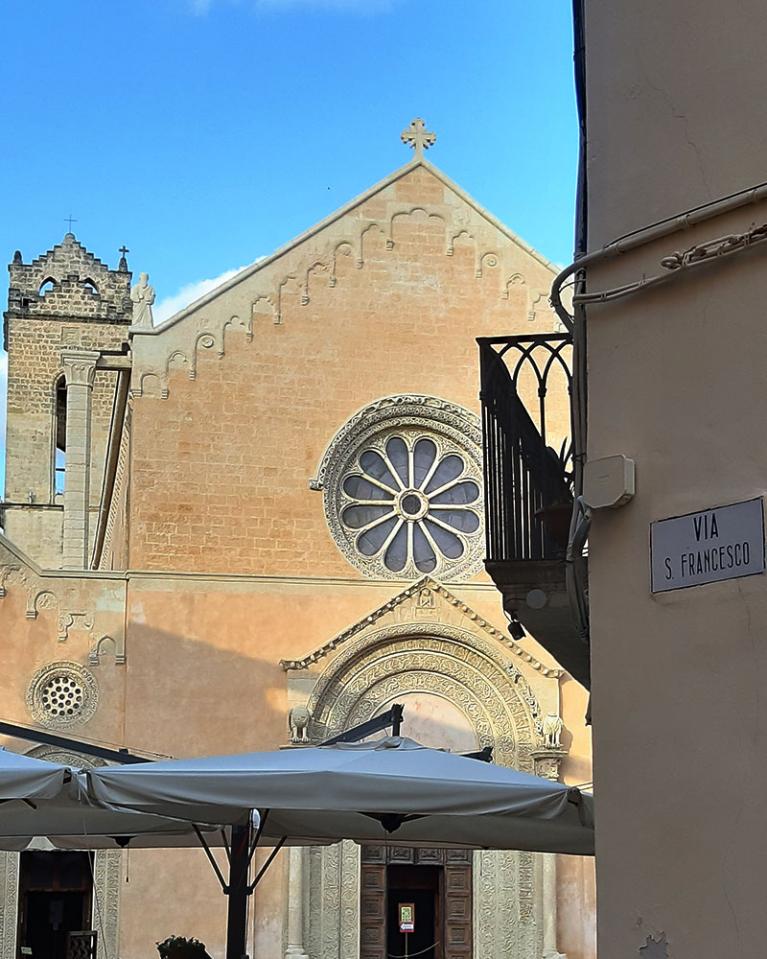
(516, 629)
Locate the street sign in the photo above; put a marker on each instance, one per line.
(725, 542)
(407, 917)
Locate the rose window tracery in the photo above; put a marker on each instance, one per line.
(402, 489)
(411, 504)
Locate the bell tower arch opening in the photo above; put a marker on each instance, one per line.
(59, 436)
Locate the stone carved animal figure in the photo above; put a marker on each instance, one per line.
(552, 730)
(298, 721)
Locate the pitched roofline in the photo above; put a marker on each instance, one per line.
(339, 639)
(337, 215)
(19, 555)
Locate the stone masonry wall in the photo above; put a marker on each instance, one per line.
(221, 466)
(37, 328)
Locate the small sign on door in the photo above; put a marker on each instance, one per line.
(407, 917)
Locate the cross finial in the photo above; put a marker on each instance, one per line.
(70, 220)
(123, 264)
(418, 137)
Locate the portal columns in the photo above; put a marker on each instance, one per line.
(295, 949)
(547, 765)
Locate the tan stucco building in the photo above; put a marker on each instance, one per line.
(277, 495)
(672, 214)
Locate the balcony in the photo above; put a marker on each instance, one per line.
(525, 392)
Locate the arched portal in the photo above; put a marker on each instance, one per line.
(461, 688)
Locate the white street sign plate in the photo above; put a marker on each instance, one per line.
(725, 542)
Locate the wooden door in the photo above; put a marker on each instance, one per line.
(453, 908)
(373, 911)
(457, 905)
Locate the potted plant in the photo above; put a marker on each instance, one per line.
(179, 947)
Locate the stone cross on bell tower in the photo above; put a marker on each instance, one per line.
(418, 137)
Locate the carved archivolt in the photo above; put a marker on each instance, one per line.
(473, 675)
(435, 657)
(451, 430)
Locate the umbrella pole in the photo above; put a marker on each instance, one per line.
(237, 912)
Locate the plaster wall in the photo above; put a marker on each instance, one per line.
(676, 377)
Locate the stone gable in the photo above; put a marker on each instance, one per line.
(235, 399)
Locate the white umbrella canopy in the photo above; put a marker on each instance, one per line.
(391, 790)
(45, 799)
(25, 778)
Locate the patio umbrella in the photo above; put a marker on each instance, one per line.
(45, 799)
(366, 791)
(391, 789)
(24, 778)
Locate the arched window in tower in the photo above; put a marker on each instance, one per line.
(47, 286)
(60, 435)
(90, 287)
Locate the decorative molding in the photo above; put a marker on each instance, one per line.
(451, 427)
(79, 367)
(408, 594)
(448, 660)
(293, 269)
(40, 599)
(9, 904)
(470, 673)
(11, 575)
(75, 674)
(547, 762)
(106, 895)
(75, 620)
(107, 646)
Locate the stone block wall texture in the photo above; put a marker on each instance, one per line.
(37, 327)
(388, 300)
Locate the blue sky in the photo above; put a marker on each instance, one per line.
(206, 133)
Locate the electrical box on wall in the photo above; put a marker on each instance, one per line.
(608, 482)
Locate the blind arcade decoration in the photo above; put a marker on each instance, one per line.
(725, 542)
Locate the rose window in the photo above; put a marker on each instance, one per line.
(62, 697)
(412, 504)
(62, 694)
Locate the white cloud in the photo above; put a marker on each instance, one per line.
(170, 305)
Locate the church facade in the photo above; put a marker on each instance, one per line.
(260, 523)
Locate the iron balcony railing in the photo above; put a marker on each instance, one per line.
(528, 484)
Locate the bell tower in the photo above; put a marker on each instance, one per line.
(63, 309)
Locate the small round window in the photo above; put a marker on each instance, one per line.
(406, 498)
(62, 694)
